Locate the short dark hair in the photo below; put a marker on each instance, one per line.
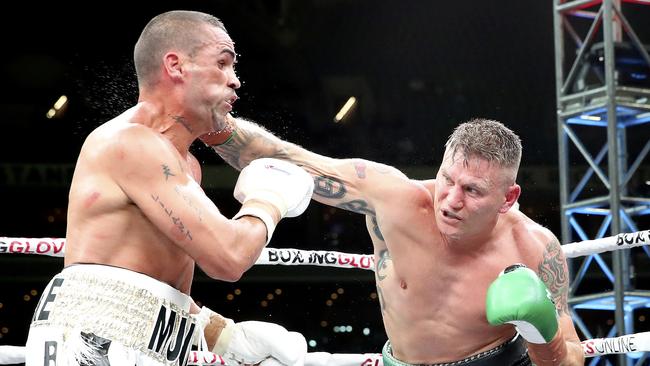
(179, 29)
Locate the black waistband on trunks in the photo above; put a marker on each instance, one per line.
(510, 353)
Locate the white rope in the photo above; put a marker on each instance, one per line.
(638, 342)
(41, 246)
(325, 258)
(12, 354)
(55, 247)
(607, 244)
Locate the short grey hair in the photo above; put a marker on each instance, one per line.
(178, 29)
(486, 139)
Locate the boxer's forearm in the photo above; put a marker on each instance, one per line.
(553, 353)
(558, 352)
(575, 354)
(250, 141)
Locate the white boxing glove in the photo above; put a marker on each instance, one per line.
(251, 342)
(281, 184)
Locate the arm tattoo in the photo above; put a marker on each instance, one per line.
(334, 188)
(357, 206)
(167, 172)
(252, 145)
(375, 228)
(382, 265)
(380, 270)
(179, 230)
(360, 168)
(329, 187)
(553, 272)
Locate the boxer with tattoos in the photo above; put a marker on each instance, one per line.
(440, 244)
(139, 222)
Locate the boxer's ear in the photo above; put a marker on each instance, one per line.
(512, 195)
(173, 65)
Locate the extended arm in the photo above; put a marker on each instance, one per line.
(350, 184)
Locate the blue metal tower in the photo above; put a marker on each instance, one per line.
(603, 123)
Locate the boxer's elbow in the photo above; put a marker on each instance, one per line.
(224, 268)
(228, 275)
(236, 253)
(237, 264)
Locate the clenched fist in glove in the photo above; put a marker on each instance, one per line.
(251, 342)
(519, 297)
(277, 187)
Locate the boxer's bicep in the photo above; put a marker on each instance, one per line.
(355, 185)
(156, 183)
(350, 184)
(162, 188)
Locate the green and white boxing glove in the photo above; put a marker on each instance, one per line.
(519, 297)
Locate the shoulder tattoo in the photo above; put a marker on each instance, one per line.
(167, 172)
(554, 272)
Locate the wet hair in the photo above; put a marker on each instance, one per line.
(182, 30)
(486, 139)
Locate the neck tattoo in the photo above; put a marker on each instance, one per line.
(183, 121)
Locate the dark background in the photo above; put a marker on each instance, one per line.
(417, 68)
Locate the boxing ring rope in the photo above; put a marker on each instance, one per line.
(638, 342)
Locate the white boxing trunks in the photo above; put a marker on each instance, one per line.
(100, 315)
